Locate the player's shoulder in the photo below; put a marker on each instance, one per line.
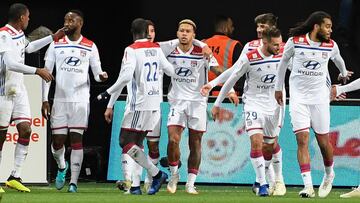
(7, 31)
(60, 41)
(300, 40)
(253, 55)
(86, 42)
(330, 44)
(144, 44)
(254, 43)
(196, 51)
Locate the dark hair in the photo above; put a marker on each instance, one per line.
(16, 11)
(220, 21)
(271, 32)
(304, 27)
(266, 18)
(151, 23)
(139, 27)
(78, 12)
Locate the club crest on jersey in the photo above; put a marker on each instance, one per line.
(193, 63)
(324, 55)
(82, 53)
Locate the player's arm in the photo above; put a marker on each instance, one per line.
(284, 63)
(354, 85)
(95, 65)
(45, 108)
(126, 72)
(40, 43)
(222, 77)
(234, 77)
(245, 49)
(165, 66)
(340, 64)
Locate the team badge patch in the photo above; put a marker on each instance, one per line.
(193, 64)
(324, 55)
(82, 53)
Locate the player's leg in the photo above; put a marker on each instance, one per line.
(59, 127)
(5, 115)
(300, 119)
(153, 138)
(22, 117)
(76, 157)
(176, 123)
(173, 154)
(267, 150)
(276, 122)
(194, 159)
(135, 126)
(78, 115)
(321, 125)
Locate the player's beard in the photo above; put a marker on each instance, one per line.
(321, 37)
(69, 31)
(272, 51)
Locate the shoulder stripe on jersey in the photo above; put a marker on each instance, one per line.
(72, 46)
(18, 36)
(185, 57)
(262, 62)
(312, 48)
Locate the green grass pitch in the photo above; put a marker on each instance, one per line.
(106, 192)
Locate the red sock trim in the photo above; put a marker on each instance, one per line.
(304, 168)
(256, 153)
(174, 163)
(23, 141)
(127, 147)
(328, 163)
(193, 171)
(277, 149)
(77, 146)
(154, 155)
(267, 156)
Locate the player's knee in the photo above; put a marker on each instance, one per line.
(174, 141)
(24, 131)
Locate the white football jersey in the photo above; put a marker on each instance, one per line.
(72, 60)
(191, 73)
(309, 80)
(10, 39)
(261, 75)
(144, 59)
(252, 45)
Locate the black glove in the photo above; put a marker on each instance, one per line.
(103, 96)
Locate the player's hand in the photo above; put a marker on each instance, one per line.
(215, 112)
(233, 98)
(334, 95)
(207, 52)
(344, 79)
(103, 76)
(279, 97)
(44, 74)
(45, 110)
(59, 34)
(103, 96)
(205, 89)
(108, 115)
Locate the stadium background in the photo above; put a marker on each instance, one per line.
(109, 27)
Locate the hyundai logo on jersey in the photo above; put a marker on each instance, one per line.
(312, 65)
(72, 61)
(183, 72)
(269, 78)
